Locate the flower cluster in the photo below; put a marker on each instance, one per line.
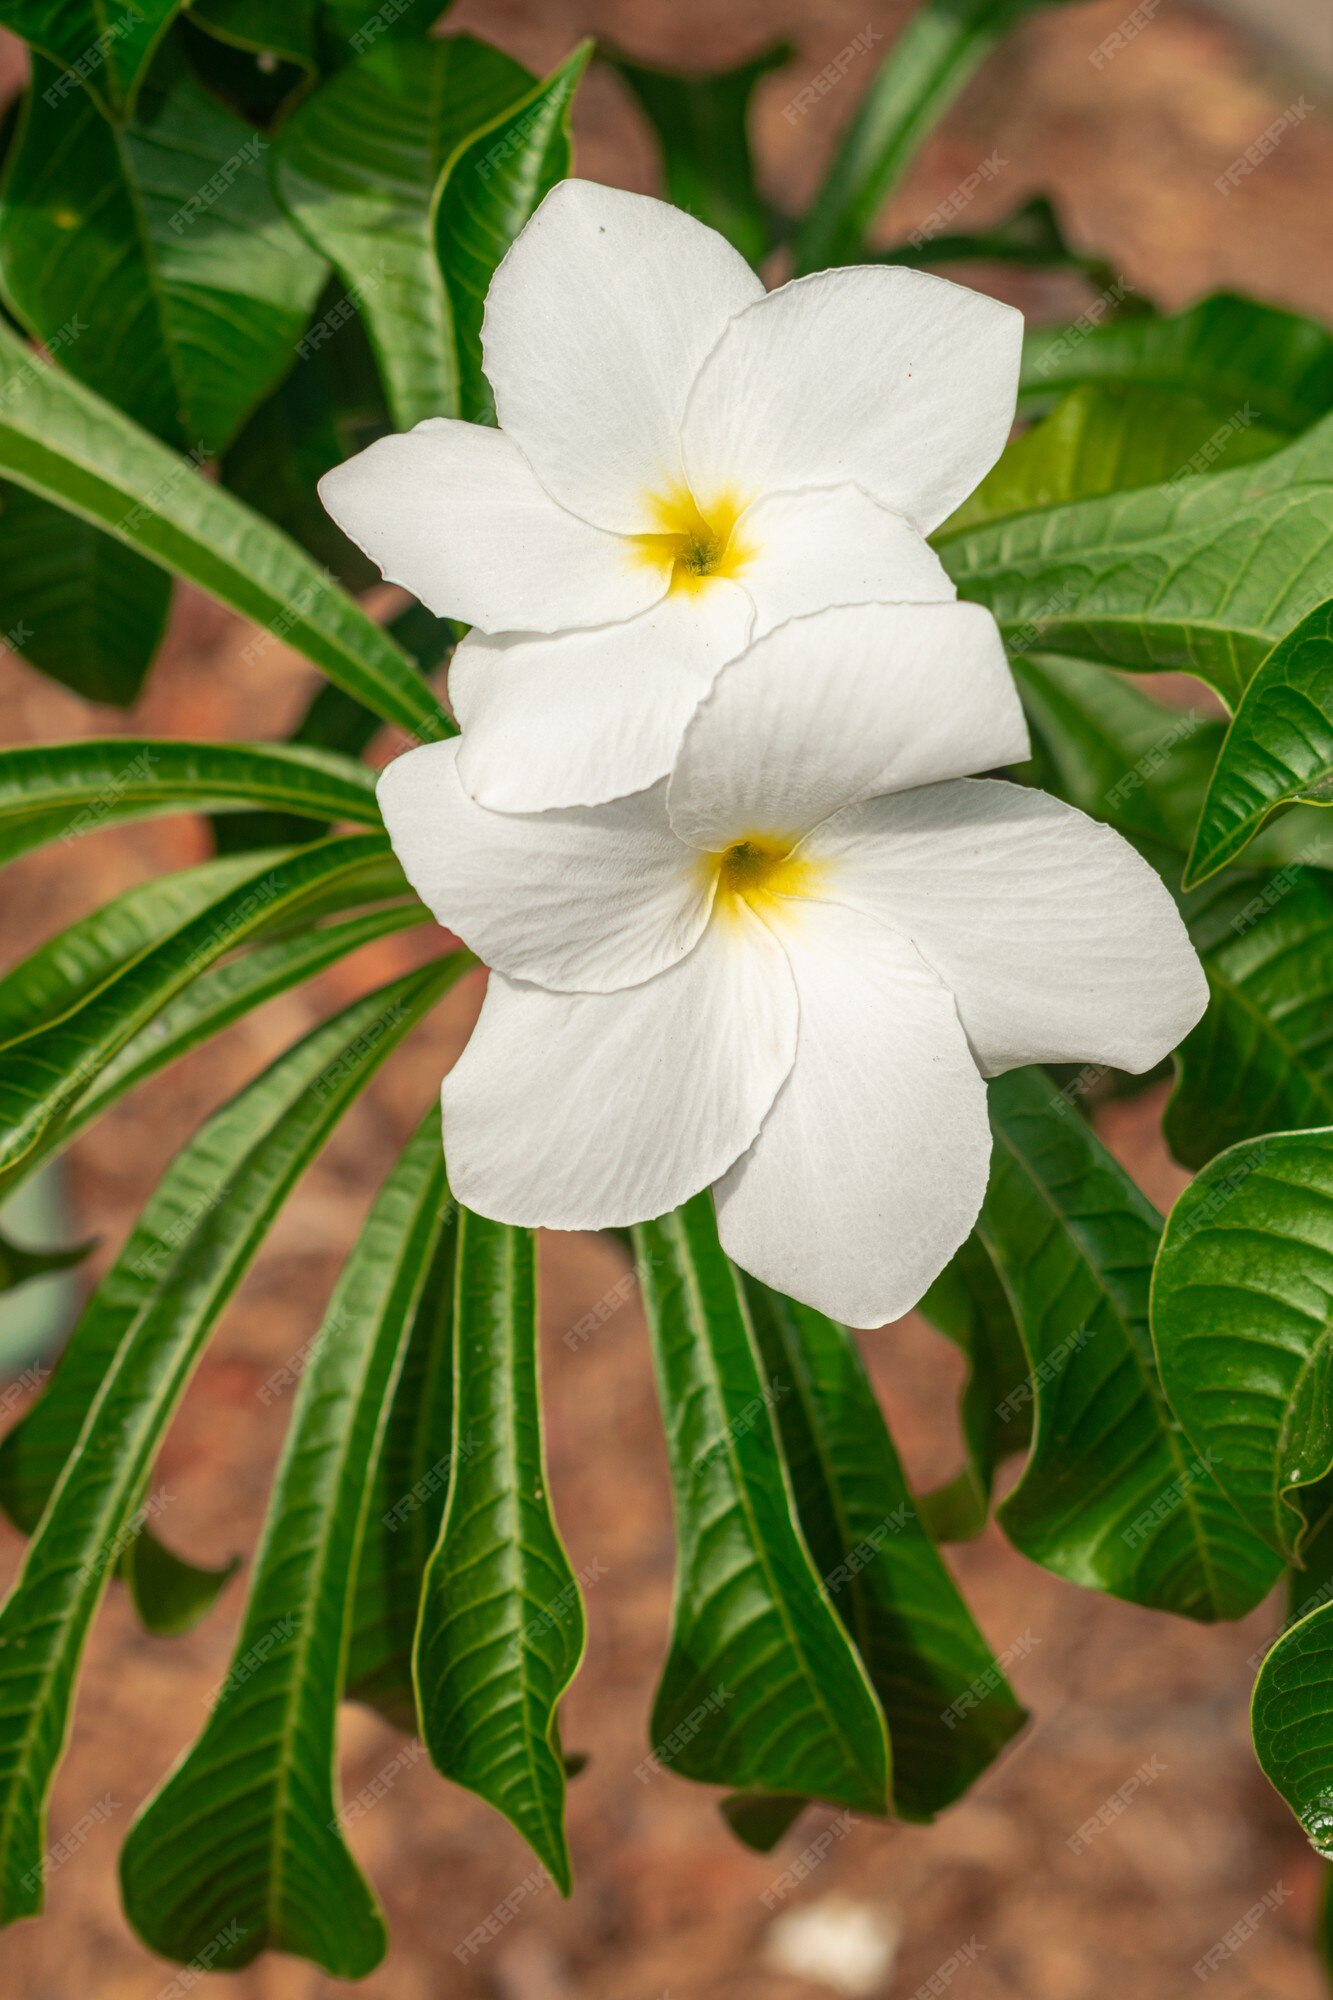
(712, 820)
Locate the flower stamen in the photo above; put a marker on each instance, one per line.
(693, 543)
(762, 870)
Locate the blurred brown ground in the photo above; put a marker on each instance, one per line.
(666, 1903)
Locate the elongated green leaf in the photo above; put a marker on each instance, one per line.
(1290, 1710)
(762, 1689)
(1279, 746)
(60, 440)
(1230, 352)
(45, 1074)
(701, 123)
(60, 790)
(164, 241)
(948, 1706)
(19, 1262)
(97, 46)
(71, 968)
(409, 1480)
(1261, 1059)
(1203, 573)
(489, 188)
(36, 1450)
(1106, 439)
(938, 50)
(285, 1117)
(79, 606)
(359, 168)
(245, 1832)
(169, 1594)
(1114, 1496)
(1030, 235)
(501, 1632)
(327, 407)
(1242, 1325)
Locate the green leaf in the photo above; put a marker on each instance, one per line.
(211, 1003)
(317, 34)
(61, 790)
(81, 608)
(758, 1822)
(1106, 439)
(1030, 235)
(46, 1073)
(289, 29)
(35, 1451)
(938, 50)
(96, 46)
(1279, 746)
(154, 257)
(701, 124)
(1117, 754)
(762, 1689)
(169, 1594)
(60, 440)
(1230, 352)
(327, 407)
(245, 1833)
(501, 1631)
(489, 188)
(19, 1262)
(1201, 574)
(359, 168)
(75, 965)
(1114, 1495)
(1289, 1711)
(1261, 1059)
(949, 1709)
(1242, 1325)
(408, 1479)
(285, 1116)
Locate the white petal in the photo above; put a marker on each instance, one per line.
(587, 716)
(871, 1166)
(596, 323)
(898, 380)
(455, 513)
(581, 901)
(834, 707)
(1058, 941)
(834, 545)
(589, 1110)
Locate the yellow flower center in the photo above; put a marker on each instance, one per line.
(693, 543)
(762, 870)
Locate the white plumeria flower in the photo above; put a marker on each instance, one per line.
(683, 462)
(785, 970)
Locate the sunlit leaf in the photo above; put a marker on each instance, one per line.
(359, 168)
